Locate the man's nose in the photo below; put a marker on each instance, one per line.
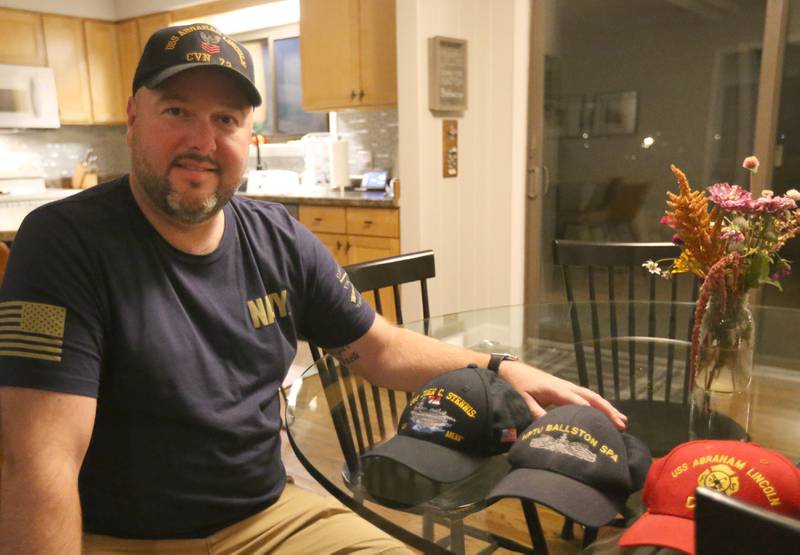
(202, 136)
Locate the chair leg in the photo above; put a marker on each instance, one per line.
(457, 545)
(589, 536)
(427, 525)
(567, 532)
(534, 527)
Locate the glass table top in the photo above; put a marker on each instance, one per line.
(542, 336)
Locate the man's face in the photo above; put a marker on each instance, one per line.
(189, 142)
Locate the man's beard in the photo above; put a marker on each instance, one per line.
(158, 189)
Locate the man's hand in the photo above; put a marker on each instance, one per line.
(540, 389)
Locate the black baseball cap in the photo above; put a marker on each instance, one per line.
(174, 49)
(576, 462)
(455, 423)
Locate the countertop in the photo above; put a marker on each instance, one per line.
(330, 197)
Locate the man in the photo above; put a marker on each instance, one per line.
(138, 371)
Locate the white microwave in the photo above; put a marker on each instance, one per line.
(28, 97)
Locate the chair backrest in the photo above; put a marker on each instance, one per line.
(727, 525)
(615, 303)
(362, 413)
(392, 272)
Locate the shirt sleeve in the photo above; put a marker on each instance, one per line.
(50, 316)
(335, 312)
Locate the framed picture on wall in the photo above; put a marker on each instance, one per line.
(615, 113)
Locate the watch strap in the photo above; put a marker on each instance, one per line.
(496, 358)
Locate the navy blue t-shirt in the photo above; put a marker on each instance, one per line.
(184, 353)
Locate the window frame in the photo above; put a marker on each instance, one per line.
(270, 35)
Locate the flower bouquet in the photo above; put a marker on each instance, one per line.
(731, 241)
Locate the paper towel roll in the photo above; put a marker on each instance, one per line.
(340, 173)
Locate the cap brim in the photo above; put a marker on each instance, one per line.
(566, 495)
(662, 531)
(429, 459)
(155, 80)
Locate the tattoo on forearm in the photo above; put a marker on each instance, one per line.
(345, 355)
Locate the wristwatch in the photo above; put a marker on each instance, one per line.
(496, 358)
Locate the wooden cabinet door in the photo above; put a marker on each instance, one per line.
(329, 53)
(362, 249)
(23, 38)
(336, 244)
(66, 54)
(149, 25)
(378, 53)
(108, 102)
(129, 52)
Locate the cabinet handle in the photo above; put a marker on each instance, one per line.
(347, 247)
(317, 219)
(338, 245)
(353, 95)
(361, 94)
(368, 222)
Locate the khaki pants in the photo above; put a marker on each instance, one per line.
(299, 522)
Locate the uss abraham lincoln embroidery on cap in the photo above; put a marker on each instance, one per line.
(32, 330)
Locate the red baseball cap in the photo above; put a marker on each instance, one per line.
(746, 471)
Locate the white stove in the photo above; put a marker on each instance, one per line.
(20, 195)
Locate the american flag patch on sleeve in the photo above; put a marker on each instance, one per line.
(32, 330)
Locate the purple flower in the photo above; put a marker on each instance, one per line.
(783, 270)
(730, 197)
(771, 205)
(733, 235)
(676, 239)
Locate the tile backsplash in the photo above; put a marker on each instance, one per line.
(371, 137)
(59, 150)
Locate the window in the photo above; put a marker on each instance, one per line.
(276, 58)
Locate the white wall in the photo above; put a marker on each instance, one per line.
(112, 10)
(98, 9)
(473, 222)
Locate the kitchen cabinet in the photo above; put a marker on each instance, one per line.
(23, 38)
(149, 24)
(348, 54)
(66, 55)
(102, 55)
(129, 52)
(355, 234)
(132, 35)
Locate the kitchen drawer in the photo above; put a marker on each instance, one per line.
(326, 219)
(380, 222)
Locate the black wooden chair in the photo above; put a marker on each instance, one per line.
(364, 415)
(727, 525)
(631, 333)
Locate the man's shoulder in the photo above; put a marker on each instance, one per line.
(86, 213)
(263, 213)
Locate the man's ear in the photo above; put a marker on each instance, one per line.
(131, 112)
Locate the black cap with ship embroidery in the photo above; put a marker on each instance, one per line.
(574, 461)
(174, 49)
(455, 423)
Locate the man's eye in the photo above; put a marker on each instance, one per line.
(173, 111)
(227, 120)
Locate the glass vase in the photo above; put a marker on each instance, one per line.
(721, 393)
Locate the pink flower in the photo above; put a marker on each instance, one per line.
(751, 164)
(771, 205)
(666, 220)
(732, 235)
(676, 239)
(730, 197)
